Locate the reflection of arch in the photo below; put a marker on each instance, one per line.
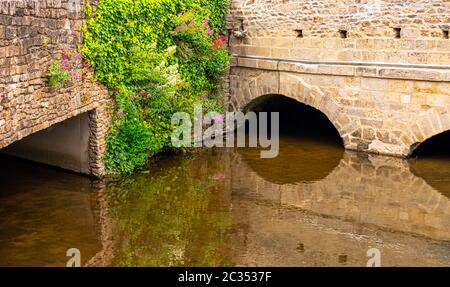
(309, 161)
(432, 162)
(371, 191)
(289, 225)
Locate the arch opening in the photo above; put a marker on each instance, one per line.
(310, 146)
(437, 146)
(298, 119)
(431, 161)
(63, 145)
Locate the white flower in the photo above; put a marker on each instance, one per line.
(171, 50)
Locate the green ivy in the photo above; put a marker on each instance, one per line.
(158, 57)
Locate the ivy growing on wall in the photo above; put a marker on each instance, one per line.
(157, 57)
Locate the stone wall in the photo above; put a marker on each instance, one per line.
(274, 30)
(33, 33)
(388, 114)
(383, 94)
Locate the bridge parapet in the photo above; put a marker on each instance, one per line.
(412, 32)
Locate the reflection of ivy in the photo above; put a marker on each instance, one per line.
(170, 218)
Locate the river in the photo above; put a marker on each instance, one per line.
(313, 205)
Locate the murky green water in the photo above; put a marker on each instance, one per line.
(314, 205)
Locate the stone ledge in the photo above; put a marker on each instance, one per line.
(436, 73)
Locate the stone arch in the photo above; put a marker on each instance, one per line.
(434, 122)
(433, 142)
(295, 87)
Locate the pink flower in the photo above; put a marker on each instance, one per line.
(150, 85)
(209, 31)
(192, 24)
(219, 176)
(149, 95)
(205, 22)
(218, 118)
(66, 55)
(2, 95)
(120, 114)
(181, 27)
(65, 64)
(78, 57)
(73, 74)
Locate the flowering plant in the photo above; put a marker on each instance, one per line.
(68, 68)
(203, 57)
(156, 60)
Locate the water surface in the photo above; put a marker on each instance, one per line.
(314, 205)
(44, 212)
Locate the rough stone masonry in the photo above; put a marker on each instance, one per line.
(379, 69)
(33, 33)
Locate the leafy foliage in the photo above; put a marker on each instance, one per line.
(155, 67)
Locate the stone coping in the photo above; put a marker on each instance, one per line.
(420, 72)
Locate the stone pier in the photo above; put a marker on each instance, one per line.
(64, 127)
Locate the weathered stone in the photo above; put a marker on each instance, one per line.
(27, 105)
(393, 90)
(370, 31)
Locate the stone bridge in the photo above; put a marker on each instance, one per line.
(379, 70)
(64, 127)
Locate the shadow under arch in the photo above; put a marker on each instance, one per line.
(310, 145)
(431, 162)
(437, 146)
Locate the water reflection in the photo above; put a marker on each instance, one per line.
(366, 201)
(175, 214)
(380, 190)
(296, 162)
(43, 213)
(317, 206)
